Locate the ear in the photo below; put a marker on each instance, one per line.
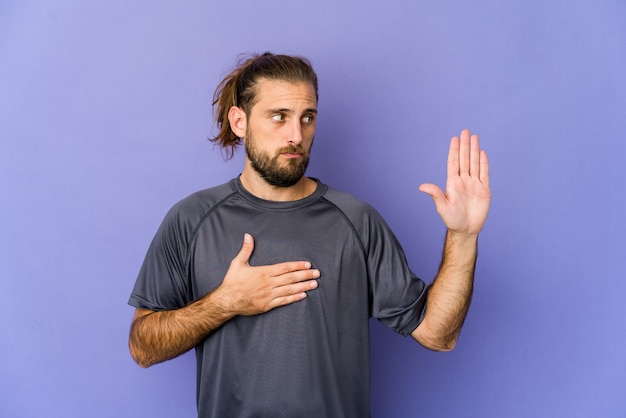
(237, 120)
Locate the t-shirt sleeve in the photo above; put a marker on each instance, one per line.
(161, 283)
(397, 296)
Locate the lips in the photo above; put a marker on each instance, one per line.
(292, 152)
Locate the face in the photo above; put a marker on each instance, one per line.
(277, 170)
(279, 131)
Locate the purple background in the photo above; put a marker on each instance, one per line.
(104, 114)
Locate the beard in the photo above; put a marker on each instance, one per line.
(271, 169)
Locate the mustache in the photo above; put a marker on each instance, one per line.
(293, 149)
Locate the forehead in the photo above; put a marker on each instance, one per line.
(272, 93)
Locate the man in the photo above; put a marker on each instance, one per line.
(273, 276)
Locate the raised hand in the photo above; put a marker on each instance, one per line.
(465, 204)
(251, 290)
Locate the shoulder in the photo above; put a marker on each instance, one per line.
(205, 199)
(366, 222)
(353, 207)
(364, 219)
(190, 211)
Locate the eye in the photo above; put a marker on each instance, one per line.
(308, 119)
(279, 117)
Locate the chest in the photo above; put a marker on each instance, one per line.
(322, 237)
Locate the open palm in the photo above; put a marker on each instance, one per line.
(465, 204)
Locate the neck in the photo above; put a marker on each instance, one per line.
(256, 185)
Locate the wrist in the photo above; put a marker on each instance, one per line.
(219, 304)
(461, 236)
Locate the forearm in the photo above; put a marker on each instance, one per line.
(159, 336)
(450, 294)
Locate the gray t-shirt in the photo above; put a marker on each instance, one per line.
(310, 358)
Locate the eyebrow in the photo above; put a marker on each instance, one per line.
(286, 110)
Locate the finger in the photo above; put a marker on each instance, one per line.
(453, 157)
(433, 191)
(293, 293)
(295, 288)
(246, 249)
(292, 271)
(474, 170)
(299, 276)
(286, 300)
(464, 152)
(484, 168)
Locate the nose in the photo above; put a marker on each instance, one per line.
(295, 133)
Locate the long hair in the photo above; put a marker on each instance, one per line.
(238, 88)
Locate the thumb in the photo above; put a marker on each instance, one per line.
(246, 249)
(433, 191)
